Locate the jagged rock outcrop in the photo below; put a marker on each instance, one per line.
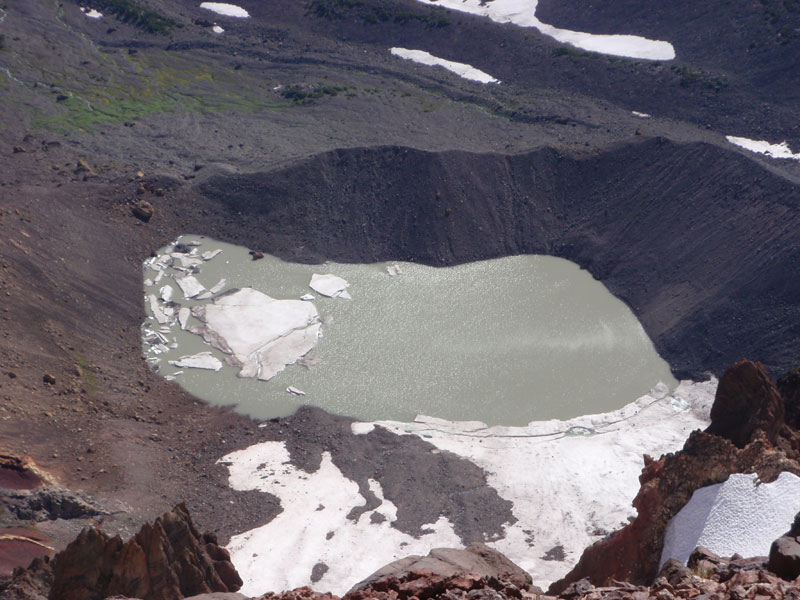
(747, 400)
(476, 561)
(167, 560)
(633, 552)
(784, 555)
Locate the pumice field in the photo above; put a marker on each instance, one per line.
(399, 299)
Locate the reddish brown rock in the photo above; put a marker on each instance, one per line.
(474, 561)
(167, 560)
(746, 401)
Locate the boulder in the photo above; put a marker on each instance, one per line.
(143, 210)
(476, 560)
(167, 560)
(784, 555)
(746, 401)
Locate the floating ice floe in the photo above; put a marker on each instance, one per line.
(294, 391)
(523, 13)
(740, 516)
(158, 312)
(461, 69)
(228, 10)
(166, 293)
(261, 334)
(781, 150)
(591, 464)
(330, 285)
(183, 316)
(212, 253)
(307, 297)
(314, 527)
(202, 360)
(91, 13)
(190, 286)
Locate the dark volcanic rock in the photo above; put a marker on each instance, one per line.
(624, 214)
(789, 387)
(784, 555)
(746, 401)
(167, 560)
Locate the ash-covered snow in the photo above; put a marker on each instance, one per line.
(781, 150)
(314, 526)
(523, 13)
(740, 516)
(461, 69)
(227, 10)
(589, 464)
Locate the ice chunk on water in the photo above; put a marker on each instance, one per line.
(330, 285)
(166, 293)
(294, 391)
(261, 334)
(158, 312)
(190, 286)
(210, 254)
(183, 316)
(202, 360)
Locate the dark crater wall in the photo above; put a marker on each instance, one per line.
(700, 242)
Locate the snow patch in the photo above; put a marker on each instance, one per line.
(461, 69)
(641, 115)
(228, 10)
(314, 526)
(591, 464)
(740, 516)
(523, 14)
(91, 13)
(217, 29)
(781, 150)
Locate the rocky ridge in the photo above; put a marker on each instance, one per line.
(748, 410)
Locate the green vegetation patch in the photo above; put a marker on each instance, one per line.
(374, 12)
(130, 11)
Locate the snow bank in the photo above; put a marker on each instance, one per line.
(523, 13)
(461, 69)
(781, 150)
(228, 10)
(590, 465)
(313, 527)
(740, 516)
